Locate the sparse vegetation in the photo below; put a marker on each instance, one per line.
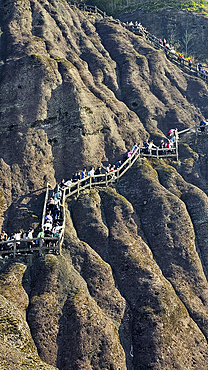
(114, 7)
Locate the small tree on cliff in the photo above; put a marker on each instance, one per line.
(185, 40)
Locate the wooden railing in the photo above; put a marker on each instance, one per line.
(153, 40)
(62, 212)
(88, 8)
(76, 187)
(170, 53)
(45, 205)
(196, 128)
(104, 180)
(62, 209)
(13, 247)
(110, 177)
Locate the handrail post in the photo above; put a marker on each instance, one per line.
(157, 152)
(106, 179)
(59, 245)
(78, 187)
(44, 207)
(40, 245)
(176, 149)
(90, 181)
(15, 247)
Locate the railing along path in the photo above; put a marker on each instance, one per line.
(170, 52)
(42, 245)
(27, 246)
(105, 179)
(88, 8)
(175, 58)
(153, 40)
(14, 247)
(110, 177)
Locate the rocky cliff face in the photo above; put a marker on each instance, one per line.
(18, 350)
(130, 289)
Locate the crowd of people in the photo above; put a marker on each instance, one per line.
(15, 238)
(99, 174)
(53, 218)
(137, 28)
(24, 240)
(53, 222)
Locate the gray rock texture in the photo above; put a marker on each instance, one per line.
(129, 290)
(18, 350)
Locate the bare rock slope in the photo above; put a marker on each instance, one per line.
(18, 350)
(130, 289)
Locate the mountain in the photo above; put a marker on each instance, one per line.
(129, 290)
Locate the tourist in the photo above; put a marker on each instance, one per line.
(134, 147)
(203, 124)
(146, 147)
(150, 147)
(91, 173)
(49, 217)
(30, 236)
(48, 224)
(48, 234)
(118, 164)
(50, 204)
(161, 147)
(40, 235)
(98, 171)
(56, 212)
(62, 184)
(108, 168)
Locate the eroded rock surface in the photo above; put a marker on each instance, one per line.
(130, 288)
(71, 325)
(143, 283)
(18, 350)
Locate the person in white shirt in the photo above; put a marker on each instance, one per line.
(18, 237)
(108, 168)
(91, 173)
(151, 146)
(30, 236)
